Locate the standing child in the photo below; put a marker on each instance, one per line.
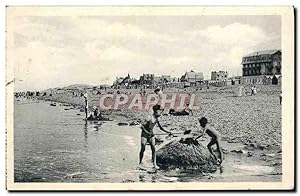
(86, 107)
(147, 135)
(215, 138)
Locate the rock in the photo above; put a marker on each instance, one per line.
(239, 151)
(225, 151)
(262, 154)
(253, 145)
(271, 155)
(123, 124)
(158, 140)
(250, 154)
(185, 153)
(133, 123)
(263, 146)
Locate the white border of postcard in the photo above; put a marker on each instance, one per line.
(288, 155)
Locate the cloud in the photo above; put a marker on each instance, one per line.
(58, 51)
(231, 35)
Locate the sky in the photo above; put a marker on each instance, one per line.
(57, 51)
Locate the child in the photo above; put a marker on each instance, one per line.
(215, 138)
(186, 111)
(147, 135)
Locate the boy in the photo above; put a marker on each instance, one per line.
(215, 138)
(147, 135)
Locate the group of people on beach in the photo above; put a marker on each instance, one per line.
(148, 136)
(152, 119)
(95, 114)
(241, 91)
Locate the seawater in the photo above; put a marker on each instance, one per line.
(56, 144)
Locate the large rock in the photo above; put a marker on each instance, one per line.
(185, 153)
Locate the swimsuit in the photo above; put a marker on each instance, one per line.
(149, 128)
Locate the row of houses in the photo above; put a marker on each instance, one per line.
(242, 80)
(189, 78)
(261, 67)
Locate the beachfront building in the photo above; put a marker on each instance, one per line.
(262, 67)
(160, 81)
(146, 80)
(235, 80)
(191, 78)
(219, 75)
(169, 82)
(122, 82)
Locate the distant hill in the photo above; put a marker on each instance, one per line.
(78, 86)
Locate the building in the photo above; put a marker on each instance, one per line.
(262, 79)
(122, 82)
(263, 67)
(267, 62)
(147, 80)
(191, 78)
(235, 80)
(219, 76)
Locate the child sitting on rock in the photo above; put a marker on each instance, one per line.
(215, 138)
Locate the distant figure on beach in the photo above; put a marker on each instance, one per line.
(253, 90)
(86, 106)
(215, 138)
(240, 91)
(185, 112)
(96, 113)
(147, 135)
(159, 95)
(280, 98)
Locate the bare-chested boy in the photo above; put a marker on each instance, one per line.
(215, 138)
(147, 135)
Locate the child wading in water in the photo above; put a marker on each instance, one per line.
(215, 138)
(147, 135)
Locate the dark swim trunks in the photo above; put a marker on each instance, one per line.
(147, 136)
(149, 127)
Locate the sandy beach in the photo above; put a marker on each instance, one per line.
(251, 123)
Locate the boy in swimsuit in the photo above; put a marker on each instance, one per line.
(215, 138)
(147, 135)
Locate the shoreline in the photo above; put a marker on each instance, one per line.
(254, 122)
(259, 164)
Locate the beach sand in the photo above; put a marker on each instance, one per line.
(253, 123)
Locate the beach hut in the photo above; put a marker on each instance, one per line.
(240, 91)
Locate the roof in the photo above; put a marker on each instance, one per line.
(166, 78)
(262, 52)
(192, 74)
(156, 79)
(119, 80)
